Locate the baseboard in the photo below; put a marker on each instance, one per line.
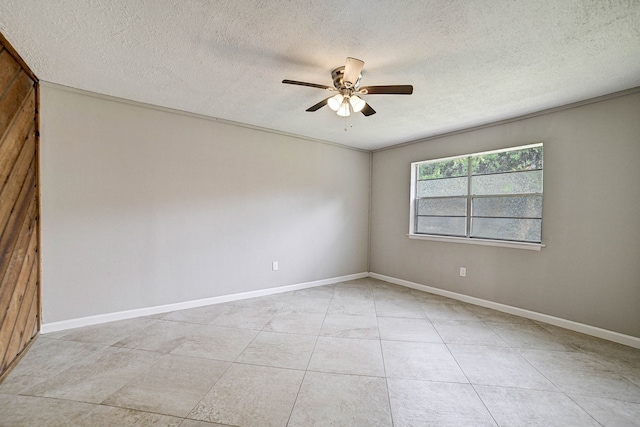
(147, 311)
(552, 320)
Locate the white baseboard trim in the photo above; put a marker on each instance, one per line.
(147, 311)
(552, 320)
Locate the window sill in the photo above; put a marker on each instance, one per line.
(482, 242)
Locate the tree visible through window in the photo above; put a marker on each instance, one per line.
(495, 195)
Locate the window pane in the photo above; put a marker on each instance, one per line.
(507, 183)
(444, 169)
(443, 207)
(443, 187)
(508, 207)
(524, 230)
(451, 226)
(507, 161)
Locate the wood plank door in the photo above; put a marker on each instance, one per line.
(19, 209)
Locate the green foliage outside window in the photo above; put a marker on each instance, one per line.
(444, 169)
(506, 161)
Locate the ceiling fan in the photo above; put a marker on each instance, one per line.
(346, 82)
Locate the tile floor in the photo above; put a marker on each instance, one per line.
(359, 353)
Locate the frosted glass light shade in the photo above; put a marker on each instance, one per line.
(357, 103)
(335, 101)
(344, 110)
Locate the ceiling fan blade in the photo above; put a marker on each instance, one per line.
(352, 71)
(318, 106)
(367, 110)
(387, 90)
(294, 82)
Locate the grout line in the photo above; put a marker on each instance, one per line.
(471, 384)
(384, 366)
(304, 376)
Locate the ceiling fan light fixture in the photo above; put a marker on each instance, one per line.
(345, 109)
(347, 90)
(357, 103)
(335, 102)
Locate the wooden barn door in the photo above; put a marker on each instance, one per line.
(19, 209)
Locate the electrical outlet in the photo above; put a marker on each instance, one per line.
(463, 272)
(274, 265)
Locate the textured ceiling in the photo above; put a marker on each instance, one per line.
(470, 62)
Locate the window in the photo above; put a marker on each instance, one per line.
(495, 196)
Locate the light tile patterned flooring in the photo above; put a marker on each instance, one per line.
(359, 353)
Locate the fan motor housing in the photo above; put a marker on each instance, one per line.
(338, 79)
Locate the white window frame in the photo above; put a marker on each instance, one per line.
(465, 240)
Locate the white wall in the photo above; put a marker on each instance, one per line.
(590, 270)
(143, 207)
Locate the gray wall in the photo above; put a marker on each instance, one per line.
(142, 207)
(589, 271)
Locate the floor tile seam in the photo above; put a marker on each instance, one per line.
(344, 373)
(505, 346)
(142, 350)
(246, 346)
(583, 408)
(602, 397)
(458, 365)
(560, 392)
(140, 410)
(411, 341)
(384, 368)
(487, 319)
(289, 333)
(508, 344)
(92, 342)
(302, 312)
(493, 417)
(375, 308)
(295, 401)
(423, 380)
(515, 345)
(304, 375)
(545, 376)
(524, 356)
(44, 396)
(444, 322)
(399, 301)
(441, 339)
(186, 322)
(513, 387)
(227, 327)
(633, 381)
(208, 391)
(350, 315)
(349, 338)
(270, 366)
(513, 349)
(22, 390)
(60, 399)
(189, 356)
(74, 365)
(386, 383)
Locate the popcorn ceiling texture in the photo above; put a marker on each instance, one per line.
(470, 62)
